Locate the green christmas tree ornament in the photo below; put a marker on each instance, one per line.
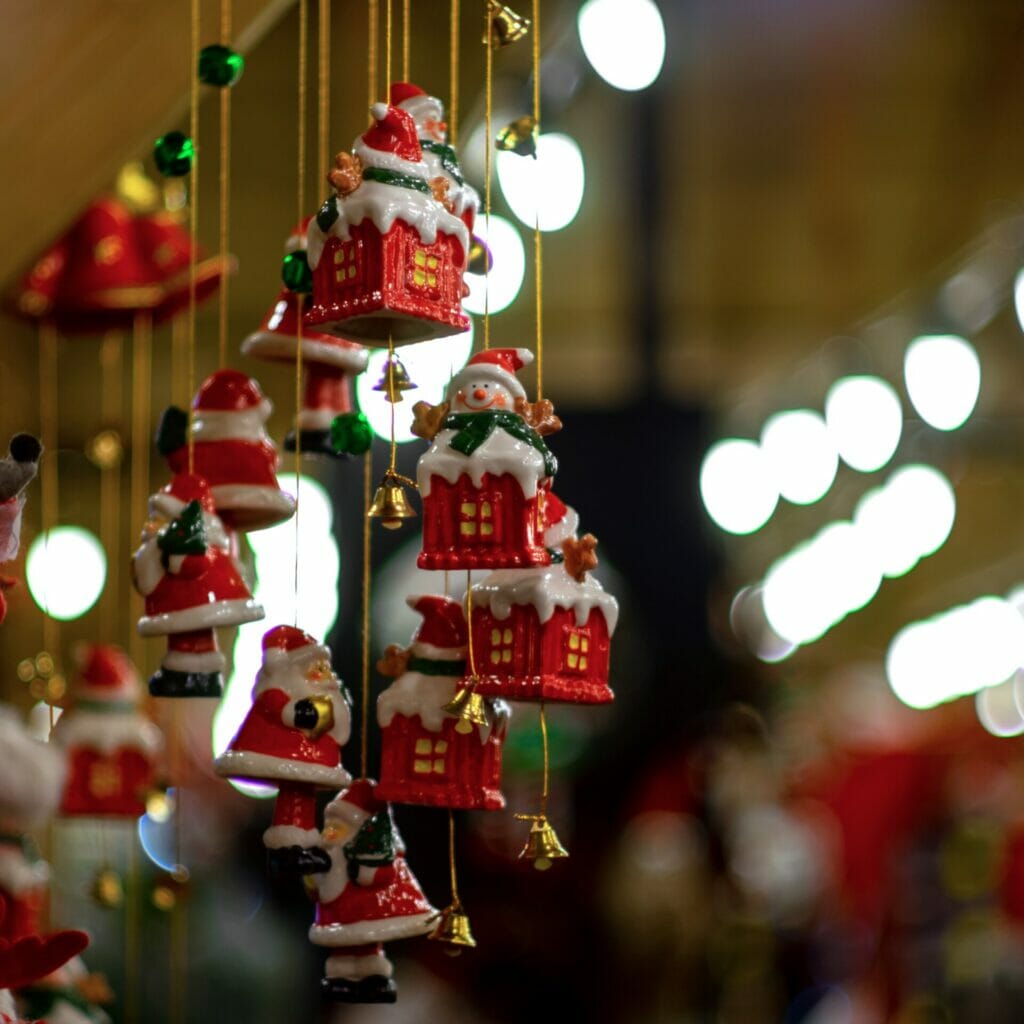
(220, 65)
(374, 843)
(185, 535)
(351, 434)
(174, 153)
(296, 274)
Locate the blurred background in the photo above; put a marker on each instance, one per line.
(783, 244)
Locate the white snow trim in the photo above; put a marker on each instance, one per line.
(280, 837)
(432, 653)
(389, 161)
(148, 568)
(360, 932)
(501, 453)
(545, 589)
(7, 1002)
(253, 496)
(564, 529)
(355, 968)
(168, 507)
(315, 419)
(207, 616)
(19, 875)
(194, 661)
(422, 108)
(384, 204)
(10, 524)
(107, 731)
(247, 764)
(232, 424)
(415, 694)
(338, 353)
(340, 810)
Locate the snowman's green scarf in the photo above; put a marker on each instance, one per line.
(473, 428)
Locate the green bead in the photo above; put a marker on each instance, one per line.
(296, 274)
(220, 65)
(351, 434)
(173, 154)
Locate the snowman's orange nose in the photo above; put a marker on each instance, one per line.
(479, 394)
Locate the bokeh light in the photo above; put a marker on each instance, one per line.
(943, 377)
(624, 40)
(546, 191)
(865, 421)
(505, 278)
(999, 709)
(800, 455)
(66, 569)
(736, 486)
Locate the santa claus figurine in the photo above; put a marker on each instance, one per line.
(292, 737)
(112, 747)
(230, 450)
(31, 959)
(16, 473)
(487, 474)
(191, 584)
(367, 897)
(328, 364)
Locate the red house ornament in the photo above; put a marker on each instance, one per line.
(387, 255)
(292, 737)
(185, 571)
(424, 758)
(231, 450)
(485, 480)
(369, 896)
(541, 634)
(112, 747)
(329, 363)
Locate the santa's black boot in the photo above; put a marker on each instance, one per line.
(170, 682)
(297, 860)
(374, 989)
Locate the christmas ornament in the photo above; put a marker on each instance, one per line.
(426, 755)
(292, 736)
(70, 995)
(488, 470)
(296, 273)
(481, 259)
(328, 365)
(387, 253)
(506, 26)
(542, 844)
(542, 634)
(367, 897)
(394, 380)
(173, 154)
(351, 434)
(17, 471)
(453, 930)
(111, 746)
(35, 296)
(231, 450)
(519, 137)
(220, 65)
(390, 505)
(29, 960)
(185, 571)
(107, 888)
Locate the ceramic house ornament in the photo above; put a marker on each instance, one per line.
(292, 737)
(486, 476)
(191, 585)
(386, 250)
(368, 897)
(329, 363)
(231, 450)
(426, 758)
(112, 747)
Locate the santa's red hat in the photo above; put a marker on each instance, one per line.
(392, 135)
(106, 675)
(297, 238)
(496, 364)
(289, 643)
(229, 391)
(415, 101)
(442, 635)
(355, 803)
(36, 293)
(184, 488)
(560, 520)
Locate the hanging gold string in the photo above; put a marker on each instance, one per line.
(537, 270)
(225, 190)
(373, 10)
(49, 476)
(456, 902)
(453, 73)
(406, 14)
(110, 481)
(387, 45)
(364, 709)
(193, 224)
(323, 110)
(546, 775)
(469, 625)
(132, 944)
(488, 145)
(138, 473)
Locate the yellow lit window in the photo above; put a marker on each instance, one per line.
(501, 646)
(434, 761)
(577, 649)
(424, 269)
(346, 262)
(479, 521)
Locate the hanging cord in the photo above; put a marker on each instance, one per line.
(546, 776)
(225, 190)
(453, 72)
(456, 902)
(406, 15)
(193, 227)
(49, 412)
(488, 146)
(373, 44)
(138, 474)
(469, 627)
(537, 269)
(323, 110)
(387, 45)
(111, 397)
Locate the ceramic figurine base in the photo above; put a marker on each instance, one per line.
(313, 442)
(169, 682)
(297, 860)
(375, 989)
(551, 687)
(467, 798)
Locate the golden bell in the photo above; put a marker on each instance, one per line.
(480, 258)
(519, 137)
(542, 844)
(390, 505)
(468, 707)
(505, 25)
(453, 930)
(394, 380)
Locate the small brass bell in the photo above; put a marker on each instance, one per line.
(542, 844)
(453, 930)
(505, 25)
(519, 137)
(390, 505)
(107, 889)
(468, 707)
(394, 380)
(481, 260)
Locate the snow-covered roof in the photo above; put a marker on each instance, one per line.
(500, 453)
(413, 693)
